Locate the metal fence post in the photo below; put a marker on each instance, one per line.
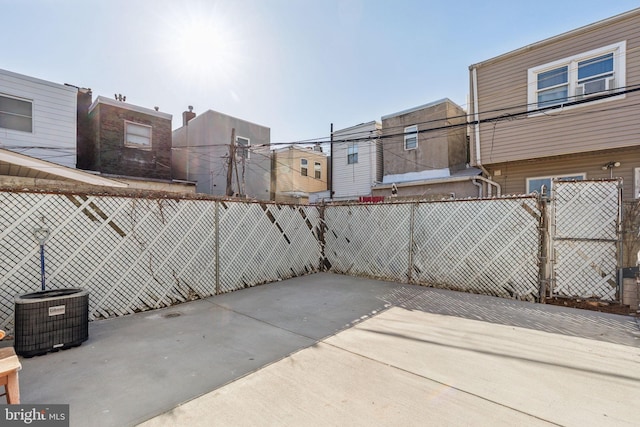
(325, 265)
(544, 249)
(411, 241)
(217, 245)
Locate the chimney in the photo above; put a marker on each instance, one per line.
(188, 115)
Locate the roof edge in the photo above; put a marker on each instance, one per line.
(566, 34)
(124, 105)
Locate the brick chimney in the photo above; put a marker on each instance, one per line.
(188, 115)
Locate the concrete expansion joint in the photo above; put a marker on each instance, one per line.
(426, 378)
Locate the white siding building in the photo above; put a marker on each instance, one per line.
(38, 118)
(356, 159)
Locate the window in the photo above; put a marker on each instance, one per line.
(242, 147)
(303, 167)
(352, 154)
(574, 78)
(535, 184)
(137, 135)
(317, 170)
(411, 137)
(16, 114)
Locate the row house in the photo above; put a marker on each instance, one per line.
(223, 155)
(298, 172)
(38, 118)
(564, 107)
(356, 161)
(425, 155)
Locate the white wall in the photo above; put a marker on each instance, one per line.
(53, 137)
(354, 180)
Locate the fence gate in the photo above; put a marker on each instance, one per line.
(586, 239)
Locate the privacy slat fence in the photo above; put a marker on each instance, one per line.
(489, 247)
(586, 239)
(140, 254)
(481, 246)
(369, 240)
(136, 254)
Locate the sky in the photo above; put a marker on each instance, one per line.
(295, 66)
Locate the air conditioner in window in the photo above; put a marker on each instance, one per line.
(595, 87)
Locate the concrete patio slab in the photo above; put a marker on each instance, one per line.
(412, 368)
(138, 367)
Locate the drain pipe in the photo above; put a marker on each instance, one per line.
(476, 118)
(489, 184)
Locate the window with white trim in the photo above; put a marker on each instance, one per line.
(535, 184)
(411, 137)
(304, 167)
(16, 114)
(317, 170)
(242, 147)
(580, 76)
(137, 135)
(352, 154)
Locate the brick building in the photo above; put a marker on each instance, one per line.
(125, 140)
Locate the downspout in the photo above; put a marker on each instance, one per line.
(476, 118)
(490, 184)
(477, 184)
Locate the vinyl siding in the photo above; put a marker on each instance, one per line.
(354, 180)
(54, 118)
(502, 90)
(513, 175)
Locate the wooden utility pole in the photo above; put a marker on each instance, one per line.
(232, 155)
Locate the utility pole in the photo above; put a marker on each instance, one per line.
(232, 155)
(243, 190)
(235, 161)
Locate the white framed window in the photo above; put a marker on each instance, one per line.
(411, 137)
(535, 184)
(577, 77)
(242, 147)
(16, 113)
(304, 167)
(352, 154)
(137, 135)
(317, 170)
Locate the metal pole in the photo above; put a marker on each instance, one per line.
(41, 234)
(412, 219)
(217, 246)
(42, 273)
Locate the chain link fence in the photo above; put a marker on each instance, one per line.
(135, 254)
(481, 246)
(586, 239)
(488, 247)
